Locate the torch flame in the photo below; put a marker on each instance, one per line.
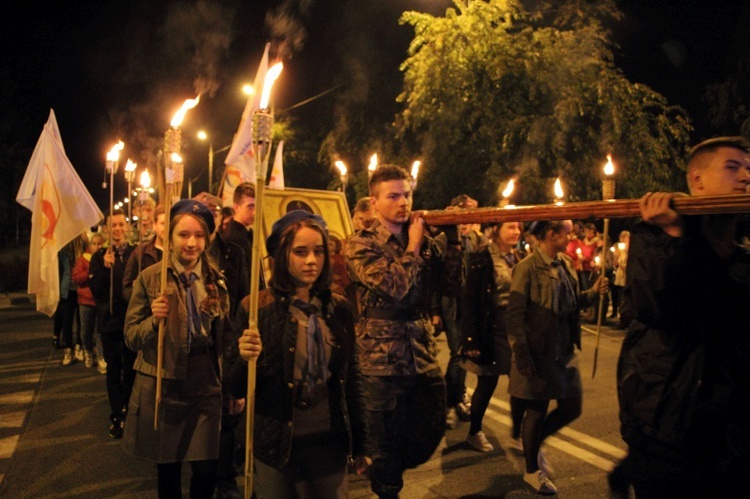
(145, 179)
(509, 188)
(373, 163)
(341, 166)
(558, 189)
(609, 168)
(114, 153)
(271, 76)
(415, 169)
(130, 166)
(180, 115)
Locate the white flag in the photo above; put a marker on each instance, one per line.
(61, 209)
(240, 161)
(277, 174)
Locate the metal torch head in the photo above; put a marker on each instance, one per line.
(262, 124)
(172, 141)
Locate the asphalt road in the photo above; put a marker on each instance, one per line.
(54, 439)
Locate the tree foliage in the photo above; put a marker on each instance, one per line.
(497, 89)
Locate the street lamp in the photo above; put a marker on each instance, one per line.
(203, 136)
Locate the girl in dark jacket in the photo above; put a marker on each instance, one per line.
(309, 419)
(485, 348)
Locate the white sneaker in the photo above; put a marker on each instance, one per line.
(88, 359)
(544, 465)
(451, 419)
(480, 442)
(79, 353)
(67, 357)
(101, 366)
(540, 482)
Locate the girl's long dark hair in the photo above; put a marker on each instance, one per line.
(281, 280)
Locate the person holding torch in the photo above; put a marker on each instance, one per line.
(309, 417)
(193, 307)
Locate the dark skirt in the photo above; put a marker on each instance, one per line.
(189, 415)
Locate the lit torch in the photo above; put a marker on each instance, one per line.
(608, 194)
(262, 124)
(173, 178)
(558, 192)
(415, 173)
(505, 201)
(342, 174)
(373, 165)
(129, 177)
(113, 161)
(173, 145)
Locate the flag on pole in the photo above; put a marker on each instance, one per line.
(240, 160)
(61, 209)
(277, 174)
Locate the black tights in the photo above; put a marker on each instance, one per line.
(202, 481)
(480, 400)
(538, 425)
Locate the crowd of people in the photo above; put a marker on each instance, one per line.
(344, 342)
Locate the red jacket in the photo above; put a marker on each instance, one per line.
(81, 277)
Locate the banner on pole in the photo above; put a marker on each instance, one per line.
(61, 209)
(240, 160)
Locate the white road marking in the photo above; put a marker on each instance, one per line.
(8, 446)
(12, 419)
(17, 398)
(563, 445)
(24, 378)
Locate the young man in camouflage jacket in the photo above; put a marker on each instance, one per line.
(396, 267)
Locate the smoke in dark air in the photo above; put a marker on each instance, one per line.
(202, 34)
(284, 25)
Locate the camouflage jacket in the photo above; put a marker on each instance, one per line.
(388, 278)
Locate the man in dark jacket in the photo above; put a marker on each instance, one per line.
(684, 370)
(232, 247)
(107, 269)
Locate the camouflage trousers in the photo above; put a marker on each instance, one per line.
(406, 417)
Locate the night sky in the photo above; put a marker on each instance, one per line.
(120, 70)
